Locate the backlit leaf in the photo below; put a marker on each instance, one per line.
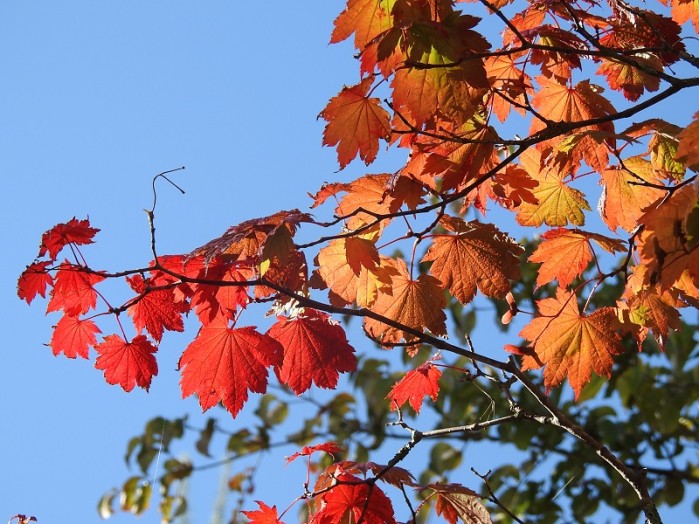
(222, 364)
(247, 240)
(73, 290)
(350, 502)
(74, 231)
(264, 515)
(688, 149)
(327, 447)
(34, 280)
(456, 502)
(417, 304)
(669, 242)
(157, 310)
(415, 385)
(315, 350)
(569, 344)
(564, 254)
(476, 255)
(631, 80)
(125, 363)
(355, 124)
(558, 203)
(73, 337)
(624, 197)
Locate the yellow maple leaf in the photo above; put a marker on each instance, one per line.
(558, 203)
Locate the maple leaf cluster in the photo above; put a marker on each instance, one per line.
(347, 491)
(403, 246)
(448, 90)
(224, 362)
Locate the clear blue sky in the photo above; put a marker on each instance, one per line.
(95, 99)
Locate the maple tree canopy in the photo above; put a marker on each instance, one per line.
(534, 124)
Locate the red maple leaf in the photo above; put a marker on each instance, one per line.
(328, 447)
(315, 350)
(222, 364)
(416, 383)
(355, 502)
(73, 290)
(264, 515)
(156, 310)
(73, 337)
(33, 281)
(125, 363)
(72, 232)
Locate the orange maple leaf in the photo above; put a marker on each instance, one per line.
(560, 103)
(371, 193)
(475, 256)
(669, 242)
(685, 10)
(355, 123)
(248, 239)
(651, 309)
(569, 344)
(553, 63)
(624, 197)
(350, 275)
(417, 304)
(513, 187)
(629, 79)
(455, 162)
(419, 94)
(688, 149)
(365, 18)
(507, 78)
(564, 254)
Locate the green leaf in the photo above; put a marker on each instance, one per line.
(204, 440)
(271, 410)
(443, 457)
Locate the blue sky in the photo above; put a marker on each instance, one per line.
(97, 98)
